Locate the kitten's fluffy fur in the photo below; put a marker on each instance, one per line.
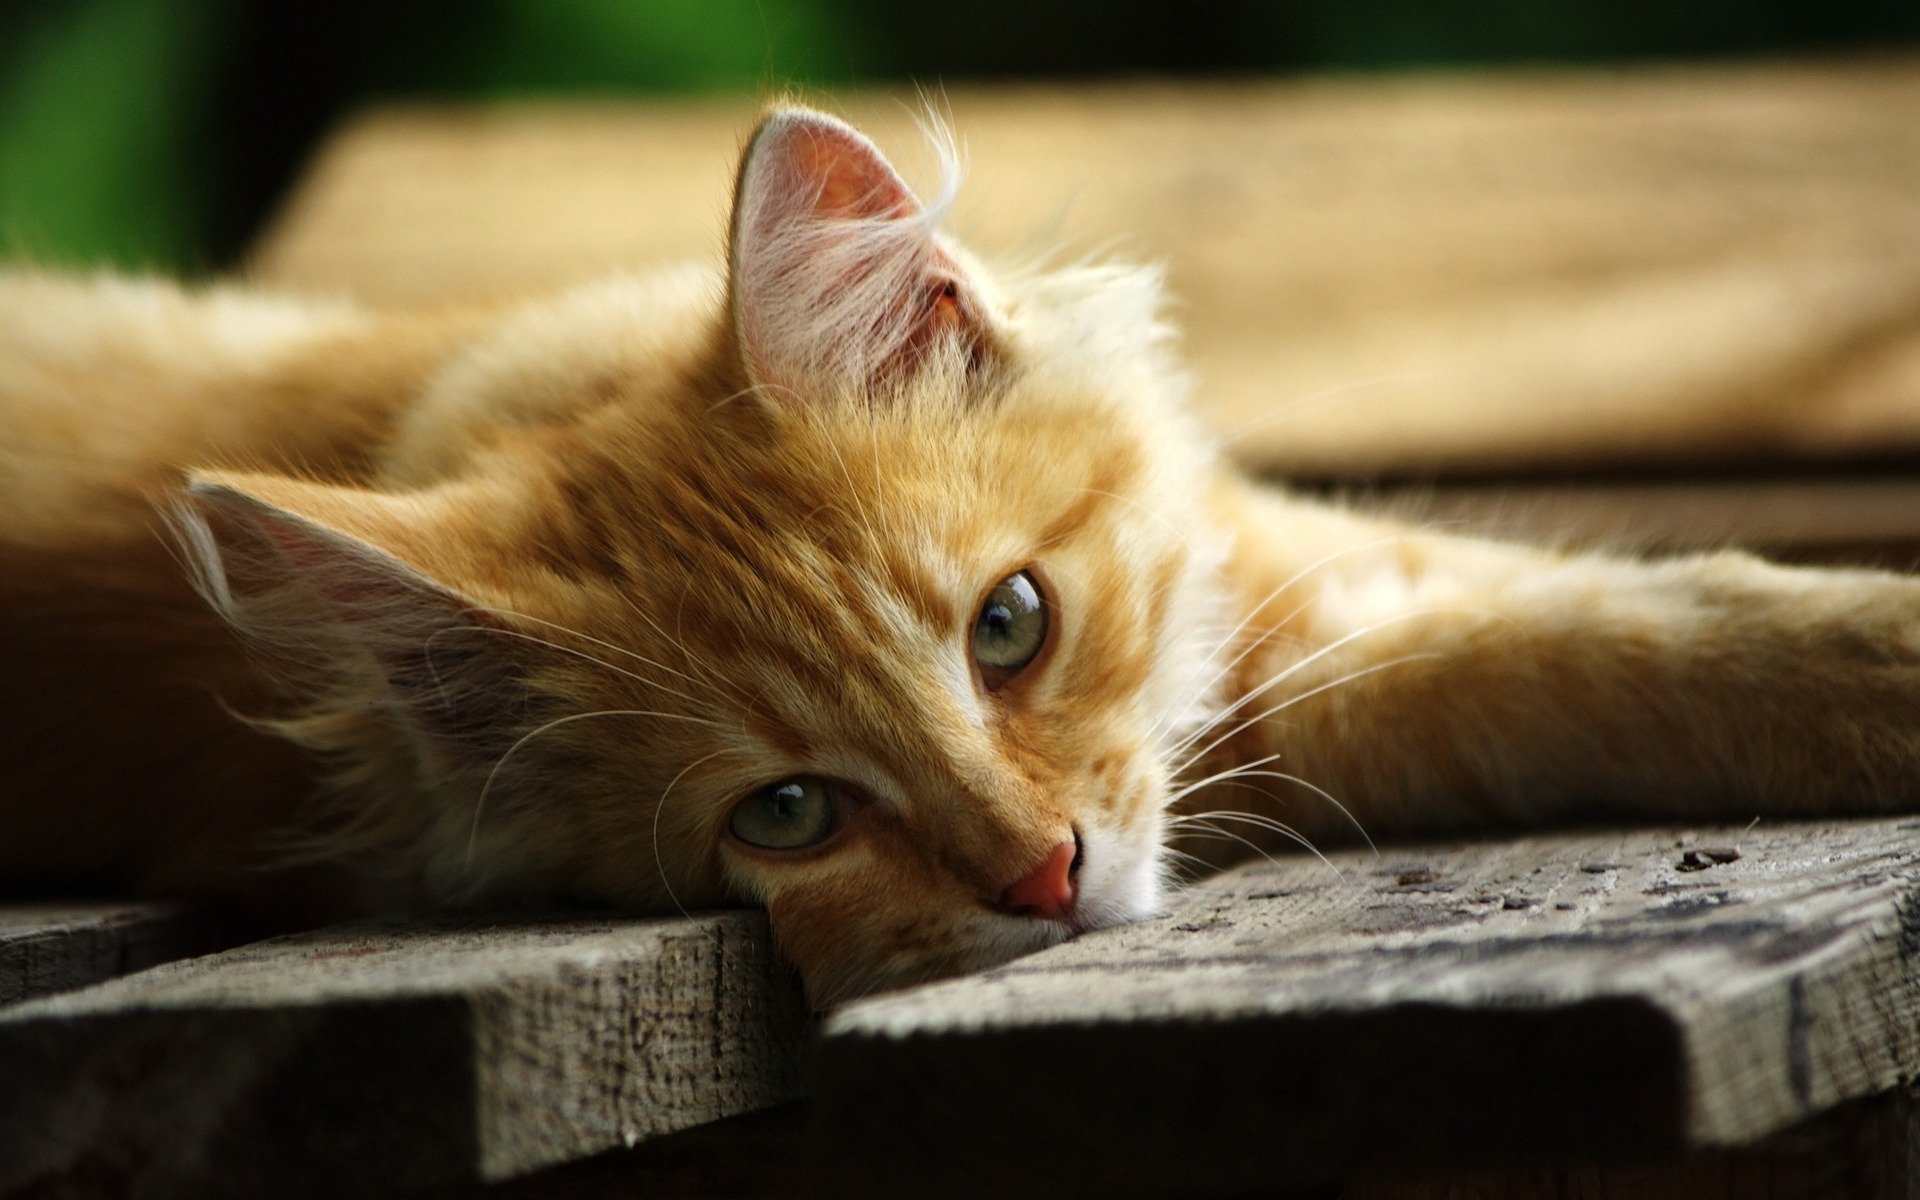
(418, 609)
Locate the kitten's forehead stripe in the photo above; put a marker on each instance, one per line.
(580, 539)
(781, 736)
(936, 607)
(1093, 500)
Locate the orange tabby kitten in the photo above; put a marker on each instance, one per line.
(896, 595)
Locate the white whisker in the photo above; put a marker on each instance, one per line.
(580, 654)
(1225, 641)
(480, 803)
(1203, 822)
(1314, 788)
(586, 637)
(679, 643)
(1228, 835)
(1279, 626)
(873, 536)
(659, 807)
(1319, 399)
(1297, 667)
(1143, 509)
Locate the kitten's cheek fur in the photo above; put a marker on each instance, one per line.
(872, 922)
(867, 921)
(1121, 877)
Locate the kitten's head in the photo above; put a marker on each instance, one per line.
(866, 587)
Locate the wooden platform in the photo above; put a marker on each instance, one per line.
(56, 945)
(1617, 1005)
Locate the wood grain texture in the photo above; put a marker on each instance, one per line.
(1584, 997)
(1391, 275)
(52, 946)
(394, 1058)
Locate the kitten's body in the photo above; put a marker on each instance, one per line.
(534, 596)
(125, 766)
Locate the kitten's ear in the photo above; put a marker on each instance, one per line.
(319, 594)
(837, 280)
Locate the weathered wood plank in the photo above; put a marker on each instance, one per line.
(394, 1057)
(53, 946)
(1578, 997)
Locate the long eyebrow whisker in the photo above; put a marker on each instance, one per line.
(659, 807)
(1142, 508)
(580, 654)
(585, 637)
(480, 803)
(679, 643)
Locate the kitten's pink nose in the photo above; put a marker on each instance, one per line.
(1047, 890)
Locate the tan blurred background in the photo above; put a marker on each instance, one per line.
(1436, 257)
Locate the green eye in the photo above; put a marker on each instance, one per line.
(1011, 628)
(790, 815)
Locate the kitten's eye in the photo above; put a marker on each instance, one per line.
(790, 815)
(1011, 628)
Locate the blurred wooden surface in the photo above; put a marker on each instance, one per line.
(1864, 519)
(1405, 276)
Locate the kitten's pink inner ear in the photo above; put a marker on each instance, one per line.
(818, 167)
(847, 171)
(358, 578)
(456, 683)
(837, 280)
(351, 578)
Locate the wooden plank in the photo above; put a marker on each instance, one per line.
(1582, 997)
(394, 1058)
(1433, 273)
(50, 947)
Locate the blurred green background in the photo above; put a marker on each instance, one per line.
(160, 133)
